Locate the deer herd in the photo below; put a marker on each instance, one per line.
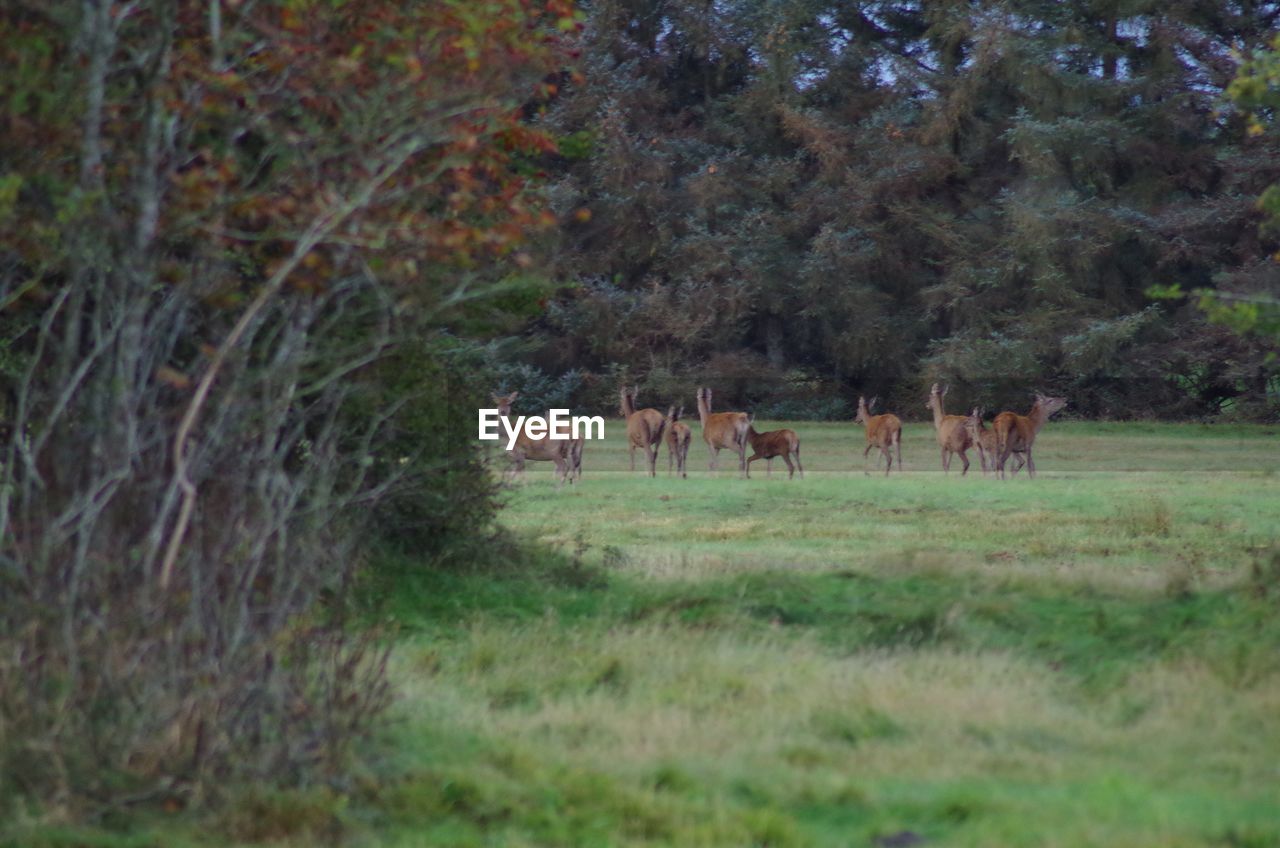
(1010, 435)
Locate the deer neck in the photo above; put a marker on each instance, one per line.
(703, 412)
(936, 403)
(1037, 416)
(628, 408)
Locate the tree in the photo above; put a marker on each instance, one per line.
(1257, 89)
(877, 195)
(220, 227)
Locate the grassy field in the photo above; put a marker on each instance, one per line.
(1089, 658)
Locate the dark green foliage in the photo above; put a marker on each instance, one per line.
(439, 493)
(889, 194)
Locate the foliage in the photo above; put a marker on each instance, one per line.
(888, 194)
(230, 237)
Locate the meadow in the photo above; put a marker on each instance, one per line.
(1088, 658)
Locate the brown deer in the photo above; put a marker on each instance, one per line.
(883, 431)
(644, 428)
(678, 438)
(766, 446)
(1017, 433)
(985, 439)
(723, 430)
(567, 457)
(950, 430)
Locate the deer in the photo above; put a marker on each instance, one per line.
(644, 428)
(952, 436)
(723, 430)
(565, 453)
(883, 431)
(678, 438)
(1017, 433)
(985, 439)
(784, 443)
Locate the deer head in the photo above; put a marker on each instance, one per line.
(937, 395)
(629, 395)
(1050, 405)
(504, 402)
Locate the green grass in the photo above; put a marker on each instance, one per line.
(1089, 658)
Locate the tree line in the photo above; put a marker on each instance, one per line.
(802, 201)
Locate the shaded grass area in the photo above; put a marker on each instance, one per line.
(1090, 658)
(1089, 632)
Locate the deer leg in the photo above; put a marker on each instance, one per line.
(633, 457)
(1004, 458)
(652, 455)
(1031, 463)
(946, 461)
(898, 447)
(517, 466)
(965, 459)
(888, 460)
(798, 465)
